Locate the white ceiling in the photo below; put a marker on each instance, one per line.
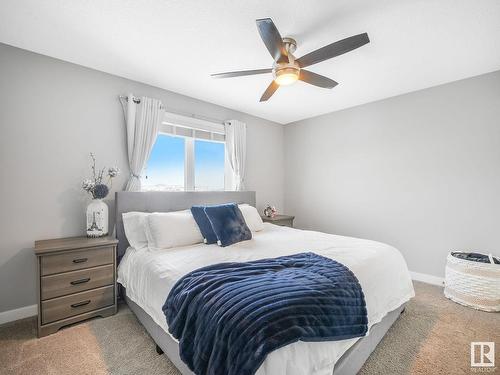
(176, 44)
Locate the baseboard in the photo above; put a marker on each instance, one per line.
(425, 278)
(16, 314)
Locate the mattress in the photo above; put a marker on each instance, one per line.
(381, 270)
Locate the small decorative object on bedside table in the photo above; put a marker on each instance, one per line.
(283, 220)
(270, 211)
(76, 281)
(97, 210)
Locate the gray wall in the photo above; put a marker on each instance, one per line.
(419, 171)
(52, 114)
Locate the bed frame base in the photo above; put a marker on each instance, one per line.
(349, 364)
(353, 359)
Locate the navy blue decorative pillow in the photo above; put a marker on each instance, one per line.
(205, 227)
(228, 224)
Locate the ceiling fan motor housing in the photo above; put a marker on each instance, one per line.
(290, 44)
(287, 72)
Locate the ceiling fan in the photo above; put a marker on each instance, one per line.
(286, 68)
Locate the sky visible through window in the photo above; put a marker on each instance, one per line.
(165, 168)
(208, 165)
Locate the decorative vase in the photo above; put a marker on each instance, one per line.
(97, 218)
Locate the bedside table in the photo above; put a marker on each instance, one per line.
(283, 220)
(76, 281)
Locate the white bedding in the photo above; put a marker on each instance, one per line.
(381, 270)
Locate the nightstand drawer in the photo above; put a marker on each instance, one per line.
(284, 223)
(76, 260)
(281, 220)
(75, 304)
(76, 281)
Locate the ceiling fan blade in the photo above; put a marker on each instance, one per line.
(241, 73)
(316, 79)
(272, 39)
(271, 89)
(334, 49)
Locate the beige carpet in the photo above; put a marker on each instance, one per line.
(432, 337)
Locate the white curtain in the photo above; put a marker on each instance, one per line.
(236, 144)
(143, 120)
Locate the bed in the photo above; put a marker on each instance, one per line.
(147, 277)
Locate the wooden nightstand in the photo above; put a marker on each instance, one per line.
(76, 281)
(283, 220)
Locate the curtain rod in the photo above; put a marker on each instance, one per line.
(137, 101)
(124, 97)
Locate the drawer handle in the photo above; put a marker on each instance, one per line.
(78, 304)
(80, 260)
(81, 281)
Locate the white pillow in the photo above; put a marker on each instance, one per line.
(171, 229)
(252, 217)
(134, 224)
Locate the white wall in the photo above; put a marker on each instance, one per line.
(419, 171)
(52, 114)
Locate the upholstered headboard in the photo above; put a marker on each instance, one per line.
(165, 201)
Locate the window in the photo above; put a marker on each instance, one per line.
(208, 165)
(165, 167)
(187, 158)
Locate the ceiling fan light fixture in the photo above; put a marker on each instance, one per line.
(286, 76)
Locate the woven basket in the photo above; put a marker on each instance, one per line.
(473, 284)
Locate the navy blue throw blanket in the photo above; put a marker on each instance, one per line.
(229, 316)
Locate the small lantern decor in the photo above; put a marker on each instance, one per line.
(97, 210)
